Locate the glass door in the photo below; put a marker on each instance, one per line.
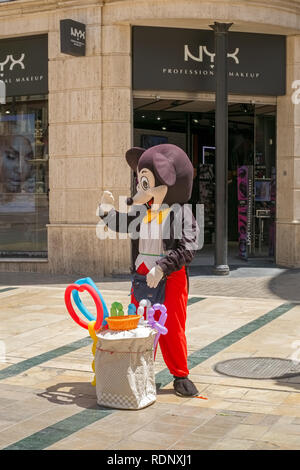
(252, 179)
(264, 207)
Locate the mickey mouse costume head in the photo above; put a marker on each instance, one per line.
(164, 172)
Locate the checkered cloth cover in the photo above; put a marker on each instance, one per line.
(124, 371)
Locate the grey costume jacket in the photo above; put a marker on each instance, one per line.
(180, 237)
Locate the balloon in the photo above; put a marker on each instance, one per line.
(117, 310)
(158, 325)
(82, 307)
(92, 332)
(140, 311)
(131, 309)
(144, 304)
(93, 293)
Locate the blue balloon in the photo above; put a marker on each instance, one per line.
(131, 309)
(82, 307)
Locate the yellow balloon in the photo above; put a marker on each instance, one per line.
(91, 328)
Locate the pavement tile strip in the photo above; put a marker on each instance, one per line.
(6, 289)
(68, 426)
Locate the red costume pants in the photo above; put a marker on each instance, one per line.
(173, 345)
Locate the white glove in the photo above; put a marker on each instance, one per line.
(154, 276)
(106, 204)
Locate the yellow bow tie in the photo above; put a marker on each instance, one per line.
(151, 215)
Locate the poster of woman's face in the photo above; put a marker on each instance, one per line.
(16, 171)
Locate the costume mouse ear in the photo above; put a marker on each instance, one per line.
(164, 169)
(132, 157)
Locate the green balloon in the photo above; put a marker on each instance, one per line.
(117, 310)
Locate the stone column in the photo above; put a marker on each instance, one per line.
(75, 148)
(288, 164)
(116, 131)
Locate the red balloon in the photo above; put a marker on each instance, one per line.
(96, 299)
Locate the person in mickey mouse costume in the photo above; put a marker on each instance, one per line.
(164, 240)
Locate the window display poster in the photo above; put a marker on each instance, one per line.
(17, 149)
(272, 230)
(207, 197)
(262, 191)
(245, 204)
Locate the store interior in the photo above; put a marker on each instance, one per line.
(251, 167)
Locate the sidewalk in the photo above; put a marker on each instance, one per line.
(47, 401)
(256, 279)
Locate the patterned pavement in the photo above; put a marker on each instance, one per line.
(47, 401)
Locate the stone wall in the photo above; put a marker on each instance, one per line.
(288, 165)
(75, 147)
(89, 132)
(116, 129)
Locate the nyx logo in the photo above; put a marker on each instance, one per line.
(203, 50)
(10, 58)
(77, 33)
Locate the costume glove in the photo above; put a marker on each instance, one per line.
(154, 276)
(106, 204)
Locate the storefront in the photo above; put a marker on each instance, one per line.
(24, 174)
(182, 60)
(64, 135)
(252, 150)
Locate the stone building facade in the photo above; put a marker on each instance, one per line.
(91, 118)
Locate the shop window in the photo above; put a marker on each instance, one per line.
(251, 165)
(24, 177)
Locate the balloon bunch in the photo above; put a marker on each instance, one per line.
(94, 324)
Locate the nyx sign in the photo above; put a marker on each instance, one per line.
(185, 60)
(24, 65)
(72, 37)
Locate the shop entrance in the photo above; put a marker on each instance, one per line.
(251, 165)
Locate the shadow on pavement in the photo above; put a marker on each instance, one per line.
(291, 383)
(29, 279)
(282, 282)
(82, 394)
(286, 285)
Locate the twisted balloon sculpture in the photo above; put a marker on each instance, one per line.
(92, 326)
(158, 325)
